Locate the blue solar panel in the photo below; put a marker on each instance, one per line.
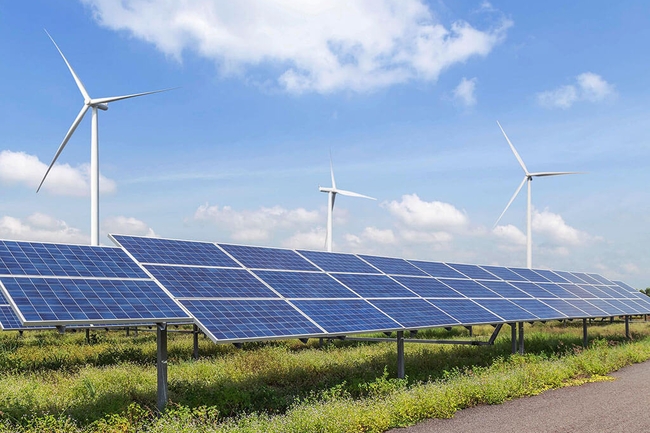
(268, 258)
(569, 277)
(466, 311)
(193, 282)
(539, 309)
(588, 308)
(551, 276)
(473, 271)
(40, 259)
(337, 262)
(625, 286)
(503, 273)
(577, 291)
(470, 288)
(625, 308)
(633, 306)
(557, 290)
(44, 301)
(505, 289)
(436, 269)
(606, 307)
(8, 319)
(594, 291)
(249, 319)
(608, 291)
(507, 310)
(173, 252)
(393, 266)
(533, 290)
(530, 275)
(414, 313)
(620, 291)
(643, 303)
(305, 285)
(346, 316)
(601, 279)
(428, 287)
(586, 278)
(374, 286)
(566, 308)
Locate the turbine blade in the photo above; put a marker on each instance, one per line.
(80, 85)
(353, 194)
(332, 171)
(119, 98)
(521, 161)
(511, 200)
(76, 123)
(554, 173)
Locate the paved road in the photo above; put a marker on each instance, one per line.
(622, 405)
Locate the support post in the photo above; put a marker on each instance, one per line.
(470, 330)
(87, 336)
(195, 338)
(513, 336)
(521, 338)
(585, 337)
(627, 327)
(161, 364)
(400, 354)
(128, 331)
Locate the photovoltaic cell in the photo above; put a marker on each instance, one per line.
(601, 279)
(436, 269)
(503, 273)
(610, 293)
(45, 301)
(577, 291)
(505, 289)
(625, 286)
(374, 286)
(174, 252)
(533, 290)
(606, 307)
(249, 319)
(393, 266)
(466, 311)
(337, 262)
(470, 288)
(565, 307)
(586, 278)
(587, 307)
(268, 258)
(346, 316)
(594, 291)
(569, 277)
(305, 284)
(633, 307)
(626, 309)
(194, 282)
(551, 276)
(539, 309)
(530, 275)
(620, 291)
(414, 313)
(507, 310)
(8, 319)
(473, 271)
(428, 287)
(557, 290)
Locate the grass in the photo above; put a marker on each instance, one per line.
(52, 382)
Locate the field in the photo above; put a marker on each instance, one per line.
(61, 383)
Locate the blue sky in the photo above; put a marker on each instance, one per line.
(405, 94)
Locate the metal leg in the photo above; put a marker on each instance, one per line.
(128, 331)
(471, 331)
(87, 336)
(513, 336)
(521, 338)
(585, 337)
(627, 327)
(320, 342)
(400, 354)
(195, 335)
(161, 339)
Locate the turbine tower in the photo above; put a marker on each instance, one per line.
(98, 103)
(331, 197)
(528, 178)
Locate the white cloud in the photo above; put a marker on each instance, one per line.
(464, 92)
(28, 170)
(553, 227)
(245, 226)
(589, 87)
(313, 239)
(416, 213)
(40, 227)
(511, 234)
(127, 226)
(313, 46)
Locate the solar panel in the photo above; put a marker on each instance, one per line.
(346, 316)
(505, 289)
(414, 313)
(374, 286)
(557, 290)
(539, 309)
(533, 290)
(503, 273)
(588, 307)
(473, 271)
(392, 266)
(566, 308)
(337, 262)
(625, 286)
(466, 311)
(601, 279)
(586, 278)
(577, 291)
(551, 276)
(609, 293)
(428, 287)
(569, 277)
(268, 258)
(530, 275)
(470, 288)
(507, 310)
(249, 319)
(436, 269)
(625, 308)
(594, 291)
(634, 308)
(305, 284)
(8, 319)
(194, 282)
(606, 307)
(174, 252)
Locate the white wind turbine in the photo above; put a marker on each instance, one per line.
(98, 103)
(331, 197)
(528, 178)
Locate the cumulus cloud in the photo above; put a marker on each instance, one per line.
(40, 227)
(557, 230)
(464, 92)
(24, 169)
(588, 87)
(127, 226)
(510, 234)
(417, 213)
(313, 239)
(257, 225)
(310, 46)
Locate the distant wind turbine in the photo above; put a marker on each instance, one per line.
(102, 104)
(331, 197)
(528, 177)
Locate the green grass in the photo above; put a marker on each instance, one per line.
(52, 382)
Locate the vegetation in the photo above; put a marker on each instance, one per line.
(61, 383)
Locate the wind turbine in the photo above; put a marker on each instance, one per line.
(331, 197)
(528, 178)
(98, 103)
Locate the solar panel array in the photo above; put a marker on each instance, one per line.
(55, 284)
(239, 293)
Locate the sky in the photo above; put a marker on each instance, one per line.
(403, 94)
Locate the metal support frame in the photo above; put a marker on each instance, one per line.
(521, 338)
(627, 327)
(161, 365)
(195, 339)
(585, 336)
(400, 354)
(513, 336)
(470, 330)
(87, 336)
